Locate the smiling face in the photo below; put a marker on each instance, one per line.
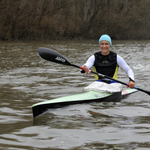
(104, 46)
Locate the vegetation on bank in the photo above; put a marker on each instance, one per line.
(88, 19)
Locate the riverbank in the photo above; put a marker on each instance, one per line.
(74, 19)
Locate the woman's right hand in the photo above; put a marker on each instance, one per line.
(86, 69)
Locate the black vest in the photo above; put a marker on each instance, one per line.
(106, 64)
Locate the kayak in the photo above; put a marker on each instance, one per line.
(85, 97)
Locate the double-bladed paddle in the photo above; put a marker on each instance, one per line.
(56, 57)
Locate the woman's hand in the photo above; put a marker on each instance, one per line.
(86, 69)
(131, 84)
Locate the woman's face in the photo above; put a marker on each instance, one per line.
(104, 46)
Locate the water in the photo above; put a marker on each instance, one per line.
(27, 79)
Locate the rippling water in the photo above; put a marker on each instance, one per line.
(27, 79)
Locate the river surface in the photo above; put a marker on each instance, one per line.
(26, 79)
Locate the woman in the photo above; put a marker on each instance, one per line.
(107, 62)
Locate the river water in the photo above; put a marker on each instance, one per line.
(27, 79)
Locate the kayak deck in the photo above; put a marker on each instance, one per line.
(86, 97)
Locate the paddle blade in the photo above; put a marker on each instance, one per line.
(52, 56)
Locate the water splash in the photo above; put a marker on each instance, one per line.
(141, 67)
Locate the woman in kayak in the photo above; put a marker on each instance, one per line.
(108, 62)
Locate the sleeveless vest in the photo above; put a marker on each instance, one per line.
(106, 65)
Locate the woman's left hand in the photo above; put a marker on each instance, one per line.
(131, 84)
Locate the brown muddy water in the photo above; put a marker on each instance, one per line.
(26, 79)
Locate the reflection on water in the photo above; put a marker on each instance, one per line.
(27, 79)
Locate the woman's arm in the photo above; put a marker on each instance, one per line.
(121, 62)
(89, 63)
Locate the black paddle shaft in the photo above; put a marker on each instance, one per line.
(56, 57)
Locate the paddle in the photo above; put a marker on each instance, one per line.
(56, 57)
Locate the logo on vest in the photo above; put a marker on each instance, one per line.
(60, 59)
(105, 62)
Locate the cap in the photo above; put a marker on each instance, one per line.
(105, 37)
